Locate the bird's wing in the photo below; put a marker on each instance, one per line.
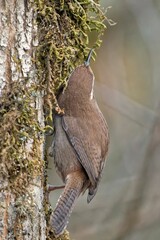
(88, 141)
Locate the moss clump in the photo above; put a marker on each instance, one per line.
(64, 236)
(64, 27)
(64, 43)
(18, 131)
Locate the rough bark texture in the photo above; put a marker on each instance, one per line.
(62, 44)
(21, 187)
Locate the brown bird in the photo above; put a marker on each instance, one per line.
(80, 144)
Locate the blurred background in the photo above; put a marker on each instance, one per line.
(127, 86)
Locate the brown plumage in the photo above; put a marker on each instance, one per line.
(80, 144)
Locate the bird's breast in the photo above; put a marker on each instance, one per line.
(65, 158)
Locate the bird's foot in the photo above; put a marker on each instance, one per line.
(53, 187)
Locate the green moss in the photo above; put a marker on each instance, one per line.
(64, 236)
(64, 42)
(18, 128)
(64, 28)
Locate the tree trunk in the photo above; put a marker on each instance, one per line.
(22, 213)
(40, 44)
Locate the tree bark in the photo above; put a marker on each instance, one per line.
(22, 214)
(41, 42)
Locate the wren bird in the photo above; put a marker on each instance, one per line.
(80, 144)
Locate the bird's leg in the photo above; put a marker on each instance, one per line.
(53, 187)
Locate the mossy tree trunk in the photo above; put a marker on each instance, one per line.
(22, 213)
(41, 42)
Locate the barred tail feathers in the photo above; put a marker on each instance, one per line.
(66, 202)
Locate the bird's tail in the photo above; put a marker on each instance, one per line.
(73, 188)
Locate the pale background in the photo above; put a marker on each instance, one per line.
(127, 71)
